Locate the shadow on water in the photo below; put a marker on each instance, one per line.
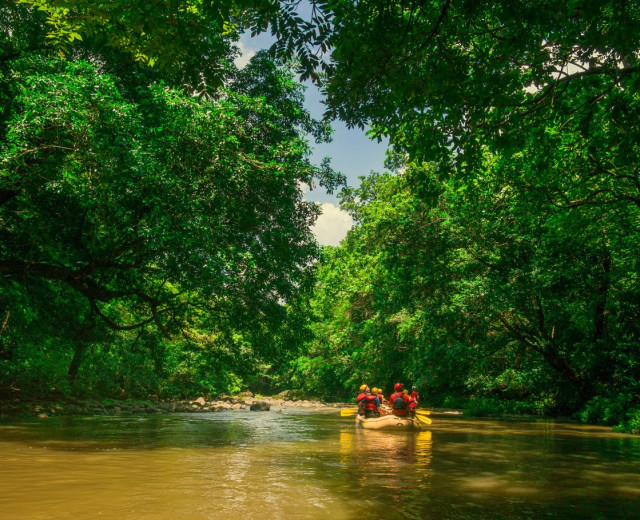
(301, 464)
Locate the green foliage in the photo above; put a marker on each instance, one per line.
(149, 238)
(504, 406)
(193, 38)
(445, 79)
(153, 241)
(69, 158)
(514, 243)
(476, 288)
(154, 33)
(620, 411)
(484, 407)
(605, 410)
(631, 422)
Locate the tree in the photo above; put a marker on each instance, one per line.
(130, 204)
(443, 78)
(193, 37)
(484, 291)
(528, 112)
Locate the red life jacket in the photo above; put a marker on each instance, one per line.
(360, 400)
(415, 395)
(370, 402)
(412, 404)
(399, 404)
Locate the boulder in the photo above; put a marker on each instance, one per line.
(260, 406)
(200, 401)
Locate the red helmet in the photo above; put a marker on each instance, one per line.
(397, 386)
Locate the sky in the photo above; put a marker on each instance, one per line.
(351, 153)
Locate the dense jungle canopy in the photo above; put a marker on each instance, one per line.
(155, 238)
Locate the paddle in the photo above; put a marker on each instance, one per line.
(423, 419)
(348, 412)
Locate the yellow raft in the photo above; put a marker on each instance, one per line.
(388, 422)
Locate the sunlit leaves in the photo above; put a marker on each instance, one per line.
(132, 195)
(192, 36)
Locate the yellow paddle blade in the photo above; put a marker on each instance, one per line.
(423, 419)
(423, 412)
(348, 412)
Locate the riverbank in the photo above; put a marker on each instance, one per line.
(46, 408)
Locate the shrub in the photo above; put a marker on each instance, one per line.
(618, 411)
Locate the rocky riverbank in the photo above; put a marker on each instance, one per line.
(245, 401)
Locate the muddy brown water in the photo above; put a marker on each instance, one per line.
(300, 464)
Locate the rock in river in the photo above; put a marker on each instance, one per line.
(260, 406)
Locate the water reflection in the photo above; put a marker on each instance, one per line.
(387, 454)
(303, 465)
(391, 469)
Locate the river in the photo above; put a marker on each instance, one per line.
(297, 464)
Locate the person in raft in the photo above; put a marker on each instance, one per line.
(414, 394)
(399, 401)
(367, 403)
(413, 404)
(360, 399)
(380, 395)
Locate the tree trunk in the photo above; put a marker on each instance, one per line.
(600, 317)
(82, 342)
(583, 388)
(78, 356)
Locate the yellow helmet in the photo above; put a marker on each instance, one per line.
(374, 390)
(363, 388)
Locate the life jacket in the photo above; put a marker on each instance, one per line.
(370, 402)
(380, 398)
(412, 405)
(415, 395)
(360, 400)
(399, 404)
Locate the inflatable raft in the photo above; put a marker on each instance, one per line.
(388, 422)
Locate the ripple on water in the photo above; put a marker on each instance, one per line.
(300, 464)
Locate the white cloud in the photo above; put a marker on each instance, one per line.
(245, 55)
(304, 187)
(332, 226)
